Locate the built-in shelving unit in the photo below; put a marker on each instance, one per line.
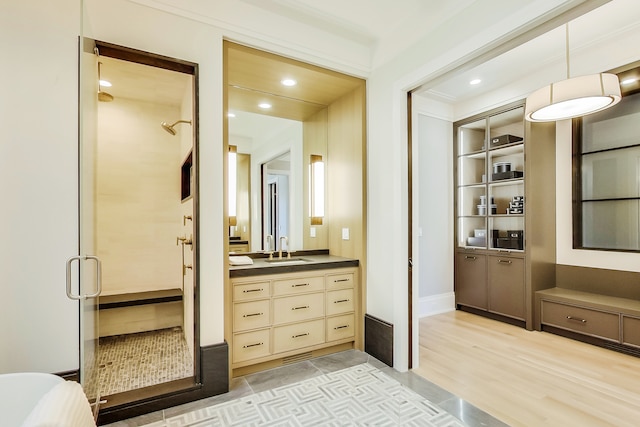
(490, 215)
(505, 227)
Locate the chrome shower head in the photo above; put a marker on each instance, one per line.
(169, 128)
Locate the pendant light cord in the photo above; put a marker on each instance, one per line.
(567, 50)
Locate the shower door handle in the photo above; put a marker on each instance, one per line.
(80, 258)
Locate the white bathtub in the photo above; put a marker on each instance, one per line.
(21, 396)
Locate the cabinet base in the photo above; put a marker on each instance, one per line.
(276, 363)
(620, 348)
(493, 316)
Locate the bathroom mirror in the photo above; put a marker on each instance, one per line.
(278, 106)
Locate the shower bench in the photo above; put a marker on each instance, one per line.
(140, 311)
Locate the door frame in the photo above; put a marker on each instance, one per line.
(140, 401)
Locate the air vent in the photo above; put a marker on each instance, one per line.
(297, 358)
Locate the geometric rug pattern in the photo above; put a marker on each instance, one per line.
(131, 361)
(357, 396)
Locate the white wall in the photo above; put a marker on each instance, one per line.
(38, 184)
(433, 194)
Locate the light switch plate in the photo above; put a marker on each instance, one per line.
(312, 232)
(345, 234)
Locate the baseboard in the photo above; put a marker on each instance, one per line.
(378, 339)
(436, 304)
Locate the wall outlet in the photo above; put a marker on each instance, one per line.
(312, 232)
(345, 234)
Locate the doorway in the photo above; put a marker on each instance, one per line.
(276, 203)
(140, 219)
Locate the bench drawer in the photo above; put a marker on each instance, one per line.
(582, 320)
(631, 331)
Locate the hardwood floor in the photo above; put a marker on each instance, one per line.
(529, 378)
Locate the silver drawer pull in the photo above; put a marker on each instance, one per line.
(504, 261)
(341, 280)
(252, 314)
(299, 284)
(302, 307)
(300, 335)
(341, 300)
(577, 319)
(341, 327)
(472, 258)
(253, 345)
(253, 290)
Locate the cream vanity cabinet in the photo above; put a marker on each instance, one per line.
(277, 316)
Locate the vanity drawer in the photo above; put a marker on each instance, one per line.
(631, 330)
(251, 345)
(299, 335)
(341, 327)
(298, 285)
(339, 281)
(339, 301)
(298, 308)
(582, 320)
(251, 315)
(248, 291)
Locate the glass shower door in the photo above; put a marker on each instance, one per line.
(89, 271)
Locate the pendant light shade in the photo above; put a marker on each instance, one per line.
(574, 97)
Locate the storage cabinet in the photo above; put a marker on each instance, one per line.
(490, 213)
(506, 286)
(281, 315)
(605, 318)
(471, 280)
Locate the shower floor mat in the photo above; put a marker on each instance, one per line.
(132, 361)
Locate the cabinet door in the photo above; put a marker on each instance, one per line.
(506, 286)
(471, 280)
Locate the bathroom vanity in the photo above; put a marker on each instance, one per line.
(291, 309)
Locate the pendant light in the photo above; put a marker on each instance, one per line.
(573, 97)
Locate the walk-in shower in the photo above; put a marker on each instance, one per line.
(169, 128)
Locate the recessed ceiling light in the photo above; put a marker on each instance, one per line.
(475, 81)
(629, 81)
(231, 115)
(289, 82)
(105, 83)
(264, 105)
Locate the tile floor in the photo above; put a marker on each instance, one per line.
(266, 380)
(131, 361)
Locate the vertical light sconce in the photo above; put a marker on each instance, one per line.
(316, 190)
(232, 179)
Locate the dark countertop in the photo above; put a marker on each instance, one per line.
(262, 266)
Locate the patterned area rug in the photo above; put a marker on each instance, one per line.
(357, 396)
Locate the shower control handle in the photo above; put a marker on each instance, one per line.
(185, 241)
(185, 267)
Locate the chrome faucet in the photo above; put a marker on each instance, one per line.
(286, 240)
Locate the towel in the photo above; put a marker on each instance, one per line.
(65, 405)
(240, 260)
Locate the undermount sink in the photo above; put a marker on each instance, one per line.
(287, 261)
